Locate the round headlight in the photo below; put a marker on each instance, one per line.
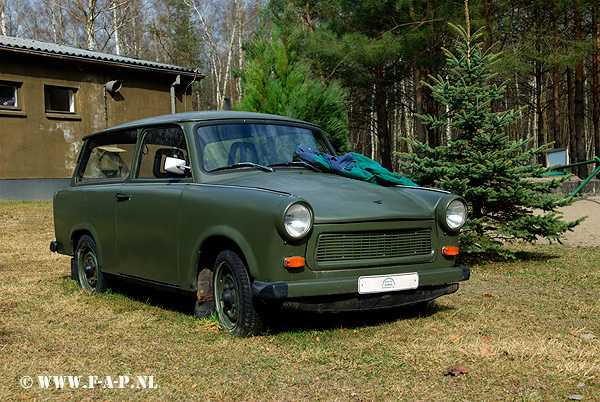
(297, 220)
(456, 214)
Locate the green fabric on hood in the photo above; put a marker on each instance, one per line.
(353, 165)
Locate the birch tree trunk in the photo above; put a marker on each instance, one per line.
(240, 22)
(55, 24)
(221, 71)
(227, 74)
(89, 22)
(116, 27)
(2, 18)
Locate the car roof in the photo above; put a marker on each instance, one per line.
(198, 117)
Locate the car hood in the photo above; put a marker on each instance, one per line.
(339, 199)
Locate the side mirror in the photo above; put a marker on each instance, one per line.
(175, 165)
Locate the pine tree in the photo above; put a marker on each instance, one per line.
(480, 163)
(275, 80)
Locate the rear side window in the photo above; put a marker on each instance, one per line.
(108, 158)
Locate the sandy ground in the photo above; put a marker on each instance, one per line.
(586, 233)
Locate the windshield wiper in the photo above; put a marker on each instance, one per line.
(297, 163)
(245, 164)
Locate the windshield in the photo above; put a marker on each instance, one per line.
(261, 144)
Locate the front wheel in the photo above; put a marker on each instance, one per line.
(233, 296)
(87, 269)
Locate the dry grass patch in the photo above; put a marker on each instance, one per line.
(516, 326)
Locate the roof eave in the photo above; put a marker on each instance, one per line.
(183, 72)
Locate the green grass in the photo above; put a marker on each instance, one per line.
(516, 326)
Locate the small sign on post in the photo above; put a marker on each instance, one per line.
(557, 156)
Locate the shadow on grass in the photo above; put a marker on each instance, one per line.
(518, 256)
(172, 301)
(284, 321)
(279, 321)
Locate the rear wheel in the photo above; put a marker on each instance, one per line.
(233, 296)
(88, 273)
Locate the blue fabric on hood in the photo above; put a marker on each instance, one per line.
(336, 163)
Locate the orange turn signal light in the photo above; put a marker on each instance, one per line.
(294, 262)
(450, 250)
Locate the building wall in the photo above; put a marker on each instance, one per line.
(39, 144)
(36, 144)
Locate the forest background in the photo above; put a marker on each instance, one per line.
(381, 52)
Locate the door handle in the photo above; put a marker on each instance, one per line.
(123, 197)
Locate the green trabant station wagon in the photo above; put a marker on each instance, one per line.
(221, 206)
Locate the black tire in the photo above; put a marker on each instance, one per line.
(87, 269)
(234, 303)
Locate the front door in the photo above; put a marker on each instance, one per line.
(147, 214)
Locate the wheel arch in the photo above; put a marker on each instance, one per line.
(86, 229)
(208, 249)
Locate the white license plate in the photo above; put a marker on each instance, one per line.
(388, 283)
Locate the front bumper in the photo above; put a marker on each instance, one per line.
(54, 246)
(358, 302)
(349, 286)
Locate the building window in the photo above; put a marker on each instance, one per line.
(59, 99)
(8, 95)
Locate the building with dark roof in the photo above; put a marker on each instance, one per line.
(52, 95)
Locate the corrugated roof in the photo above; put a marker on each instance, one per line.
(54, 49)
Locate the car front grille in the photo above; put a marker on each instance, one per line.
(373, 245)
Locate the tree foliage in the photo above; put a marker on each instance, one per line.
(379, 51)
(177, 34)
(370, 47)
(480, 163)
(277, 81)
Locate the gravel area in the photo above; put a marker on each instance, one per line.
(587, 233)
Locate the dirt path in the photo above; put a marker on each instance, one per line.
(586, 233)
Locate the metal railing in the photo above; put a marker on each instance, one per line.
(586, 181)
